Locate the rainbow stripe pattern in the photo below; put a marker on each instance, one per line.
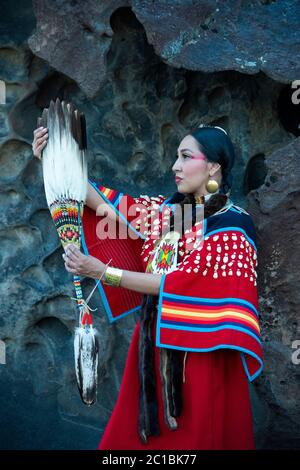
(112, 195)
(208, 314)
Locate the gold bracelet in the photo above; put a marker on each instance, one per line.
(112, 276)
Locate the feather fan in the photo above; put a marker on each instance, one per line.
(65, 180)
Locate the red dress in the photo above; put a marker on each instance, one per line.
(216, 405)
(208, 307)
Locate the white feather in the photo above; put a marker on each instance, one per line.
(86, 347)
(64, 163)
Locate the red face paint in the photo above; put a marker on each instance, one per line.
(199, 156)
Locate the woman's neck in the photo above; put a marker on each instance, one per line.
(202, 198)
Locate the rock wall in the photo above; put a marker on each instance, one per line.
(144, 73)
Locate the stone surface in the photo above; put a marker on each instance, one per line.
(275, 206)
(209, 36)
(144, 76)
(212, 35)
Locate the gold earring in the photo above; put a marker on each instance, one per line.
(212, 186)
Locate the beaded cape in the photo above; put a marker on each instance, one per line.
(210, 300)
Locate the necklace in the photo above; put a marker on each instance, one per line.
(202, 199)
(199, 199)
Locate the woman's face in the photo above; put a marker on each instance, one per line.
(192, 169)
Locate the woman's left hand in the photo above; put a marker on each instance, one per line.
(82, 265)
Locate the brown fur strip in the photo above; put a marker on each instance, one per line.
(170, 390)
(148, 407)
(171, 368)
(166, 388)
(175, 360)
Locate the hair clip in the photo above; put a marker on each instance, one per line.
(216, 127)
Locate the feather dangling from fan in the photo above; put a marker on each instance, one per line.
(65, 180)
(86, 349)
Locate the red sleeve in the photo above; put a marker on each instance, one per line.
(210, 301)
(123, 247)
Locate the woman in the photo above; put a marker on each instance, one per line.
(197, 343)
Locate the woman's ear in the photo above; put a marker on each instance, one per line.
(214, 167)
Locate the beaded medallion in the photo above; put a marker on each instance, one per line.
(165, 253)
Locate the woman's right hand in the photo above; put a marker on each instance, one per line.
(40, 138)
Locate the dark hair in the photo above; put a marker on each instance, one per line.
(217, 147)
